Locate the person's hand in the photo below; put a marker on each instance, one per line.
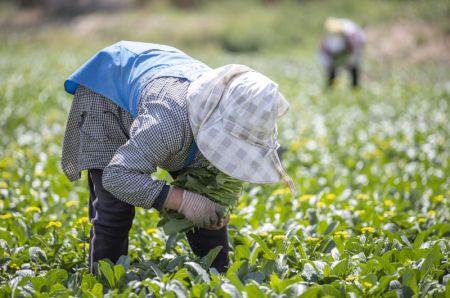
(223, 222)
(202, 211)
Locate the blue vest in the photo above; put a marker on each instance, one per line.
(120, 71)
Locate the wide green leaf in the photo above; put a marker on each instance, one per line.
(199, 271)
(340, 267)
(211, 256)
(55, 276)
(107, 272)
(432, 259)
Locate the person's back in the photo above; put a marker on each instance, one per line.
(121, 71)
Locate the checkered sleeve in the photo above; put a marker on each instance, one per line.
(154, 138)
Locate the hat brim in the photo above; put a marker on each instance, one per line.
(236, 157)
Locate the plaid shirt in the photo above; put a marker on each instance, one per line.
(97, 135)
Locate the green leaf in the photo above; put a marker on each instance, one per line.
(241, 252)
(55, 276)
(255, 254)
(425, 287)
(179, 290)
(393, 283)
(312, 215)
(125, 293)
(329, 290)
(257, 276)
(215, 278)
(199, 290)
(199, 270)
(274, 280)
(156, 269)
(285, 283)
(295, 290)
(319, 266)
(309, 272)
(155, 287)
(88, 281)
(97, 290)
(107, 272)
(38, 282)
(211, 256)
(326, 245)
(19, 230)
(405, 240)
(409, 279)
(447, 290)
(340, 268)
(182, 275)
(119, 271)
(444, 230)
(253, 291)
(386, 265)
(37, 254)
(175, 226)
(385, 282)
(58, 290)
(405, 292)
(267, 252)
(419, 239)
(333, 226)
(432, 259)
(301, 250)
(233, 277)
(353, 246)
(326, 270)
(124, 261)
(7, 236)
(230, 290)
(176, 262)
(311, 292)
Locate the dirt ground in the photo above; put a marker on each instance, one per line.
(403, 41)
(408, 42)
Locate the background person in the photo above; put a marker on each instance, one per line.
(341, 46)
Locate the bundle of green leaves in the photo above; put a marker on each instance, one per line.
(208, 182)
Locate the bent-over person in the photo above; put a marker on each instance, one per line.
(342, 46)
(138, 106)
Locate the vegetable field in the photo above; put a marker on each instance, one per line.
(371, 167)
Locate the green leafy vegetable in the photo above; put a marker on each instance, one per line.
(208, 182)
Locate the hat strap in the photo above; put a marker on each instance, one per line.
(284, 176)
(276, 160)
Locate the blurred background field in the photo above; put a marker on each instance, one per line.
(375, 158)
(49, 39)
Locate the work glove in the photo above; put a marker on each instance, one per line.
(200, 210)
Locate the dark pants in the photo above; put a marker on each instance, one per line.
(354, 74)
(112, 220)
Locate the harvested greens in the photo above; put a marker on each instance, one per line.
(209, 182)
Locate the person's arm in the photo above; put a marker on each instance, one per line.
(128, 175)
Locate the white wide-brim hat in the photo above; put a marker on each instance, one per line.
(233, 112)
